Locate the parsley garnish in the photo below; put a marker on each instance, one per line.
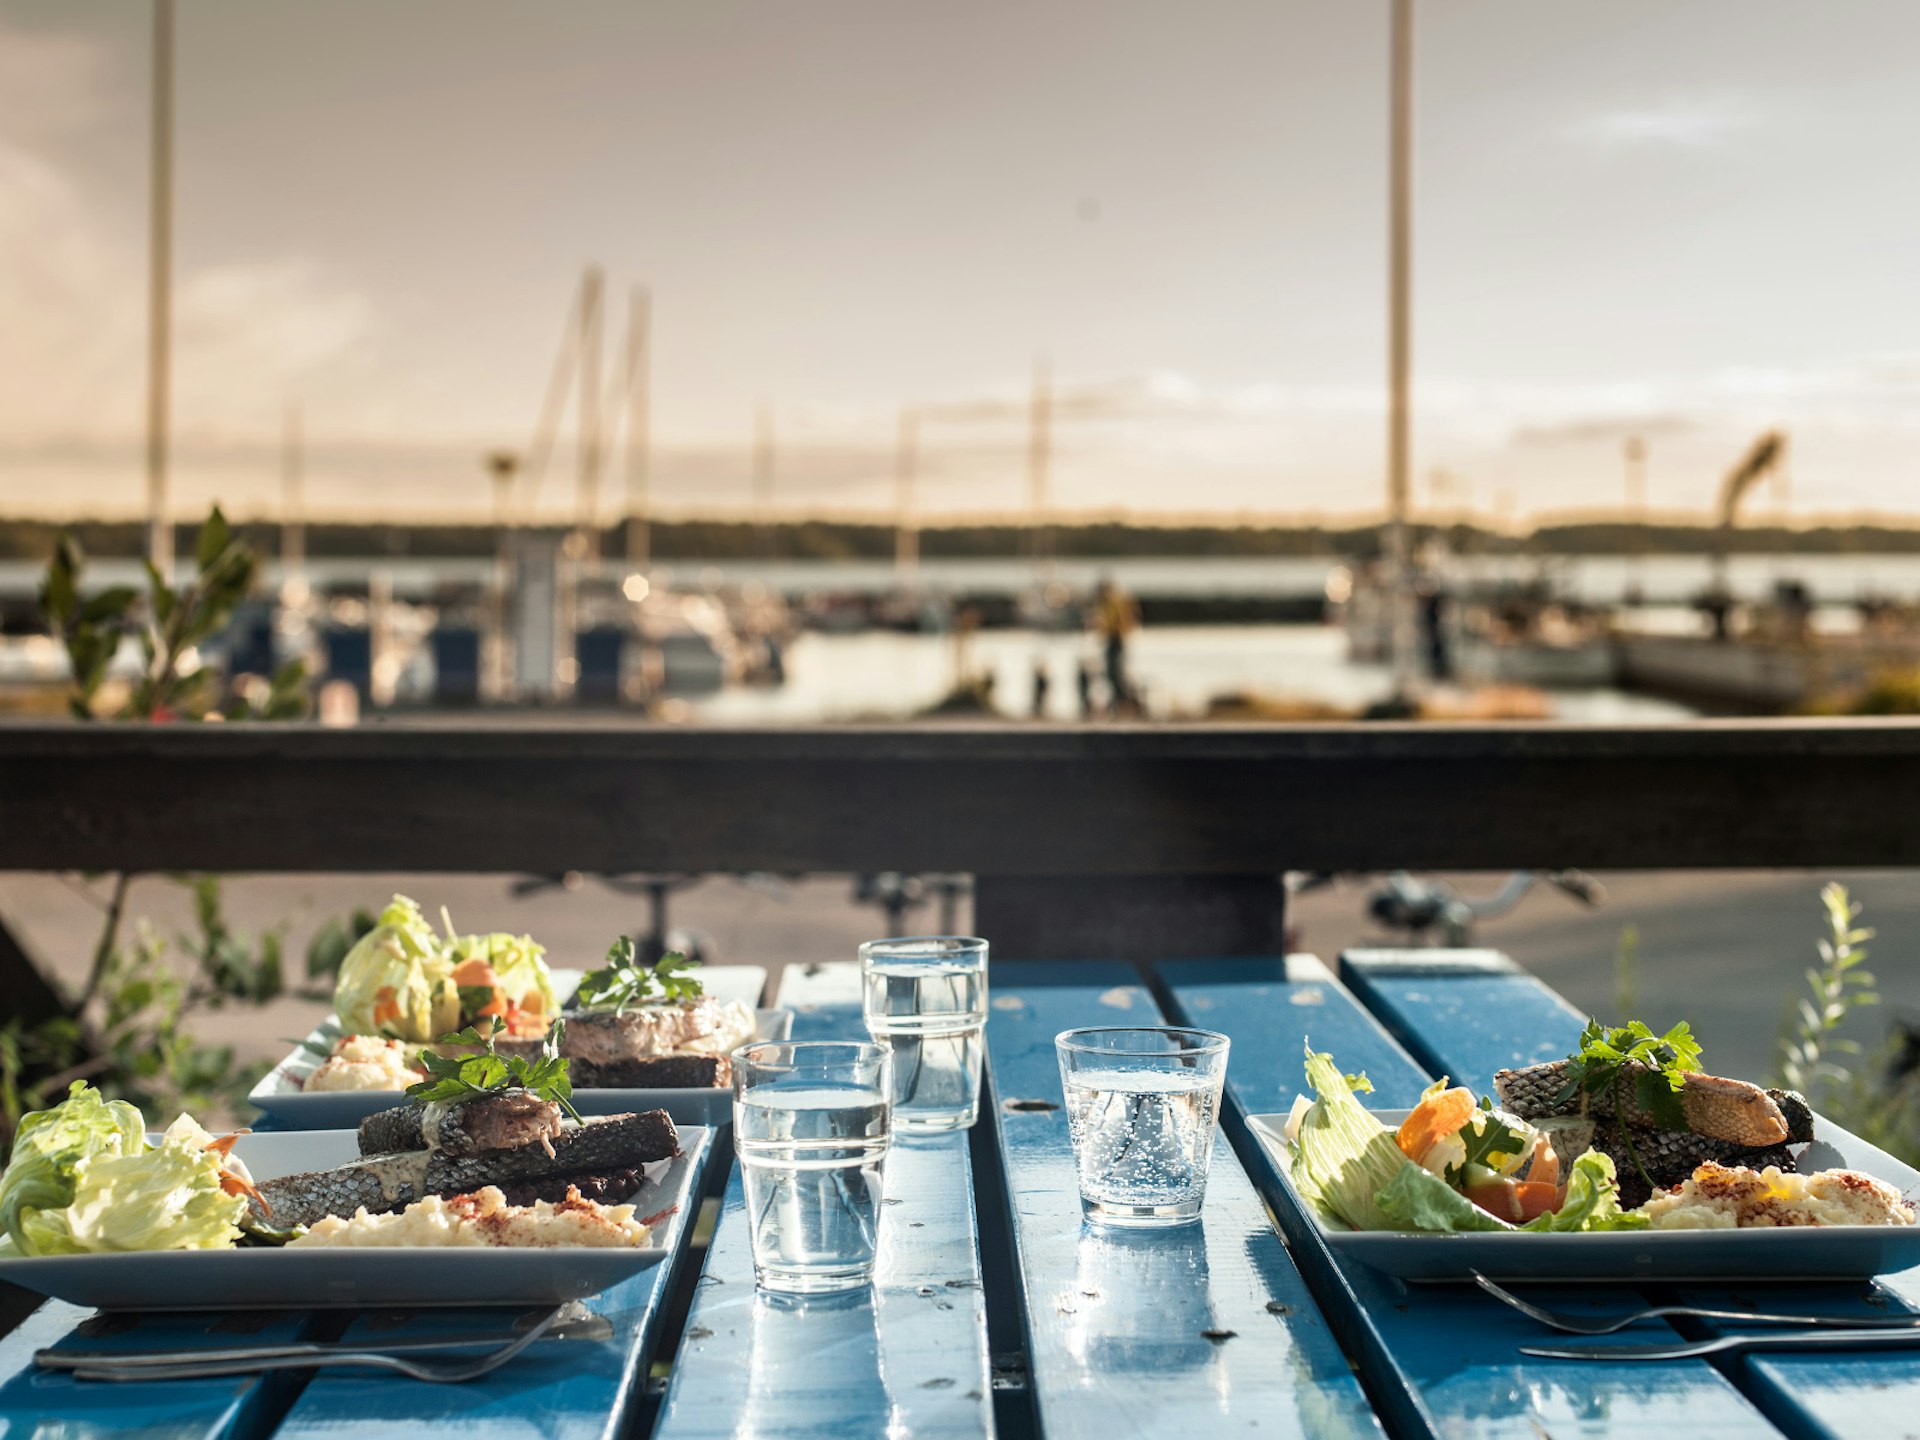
(623, 981)
(1655, 1065)
(1494, 1137)
(458, 1079)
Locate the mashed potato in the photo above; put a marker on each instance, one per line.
(485, 1218)
(1722, 1197)
(368, 1062)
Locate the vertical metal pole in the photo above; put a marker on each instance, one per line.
(1039, 464)
(1399, 347)
(906, 538)
(591, 285)
(293, 508)
(763, 476)
(639, 429)
(1635, 453)
(160, 291)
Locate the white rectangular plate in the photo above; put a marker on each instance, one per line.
(280, 1095)
(296, 1278)
(1814, 1252)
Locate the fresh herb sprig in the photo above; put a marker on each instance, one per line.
(1492, 1137)
(1632, 1060)
(624, 981)
(457, 1079)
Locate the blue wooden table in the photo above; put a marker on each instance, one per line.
(994, 1311)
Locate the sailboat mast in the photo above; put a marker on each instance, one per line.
(1039, 466)
(293, 511)
(592, 287)
(763, 476)
(906, 535)
(639, 426)
(1399, 347)
(160, 292)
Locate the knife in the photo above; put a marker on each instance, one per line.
(1881, 1339)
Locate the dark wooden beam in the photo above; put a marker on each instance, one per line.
(1130, 917)
(998, 800)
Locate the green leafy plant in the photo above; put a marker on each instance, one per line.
(134, 1041)
(126, 1028)
(168, 624)
(1836, 987)
(623, 981)
(460, 1078)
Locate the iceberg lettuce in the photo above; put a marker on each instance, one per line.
(169, 1198)
(49, 1148)
(397, 981)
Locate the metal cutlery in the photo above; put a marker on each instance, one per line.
(259, 1359)
(1882, 1339)
(1608, 1324)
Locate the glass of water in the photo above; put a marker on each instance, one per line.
(926, 999)
(1141, 1107)
(811, 1129)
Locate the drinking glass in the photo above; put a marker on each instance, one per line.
(925, 998)
(811, 1130)
(1141, 1107)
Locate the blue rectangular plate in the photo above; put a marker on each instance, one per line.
(1814, 1252)
(327, 1277)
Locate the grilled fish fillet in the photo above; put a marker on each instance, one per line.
(1667, 1156)
(1723, 1109)
(392, 1182)
(503, 1121)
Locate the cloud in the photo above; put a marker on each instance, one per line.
(1685, 123)
(73, 296)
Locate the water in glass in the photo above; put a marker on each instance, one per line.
(933, 1018)
(811, 1153)
(1142, 1139)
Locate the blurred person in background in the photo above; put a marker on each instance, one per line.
(1115, 617)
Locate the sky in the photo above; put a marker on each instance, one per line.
(1686, 221)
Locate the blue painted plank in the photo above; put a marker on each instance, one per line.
(43, 1403)
(1205, 1329)
(1457, 1017)
(1442, 1360)
(577, 1387)
(1464, 1013)
(908, 1357)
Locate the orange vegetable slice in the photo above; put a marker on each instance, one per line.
(1434, 1117)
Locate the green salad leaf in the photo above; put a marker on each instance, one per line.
(1593, 1200)
(169, 1198)
(624, 982)
(459, 1079)
(397, 980)
(519, 968)
(49, 1148)
(1344, 1157)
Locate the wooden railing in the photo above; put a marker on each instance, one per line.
(1113, 841)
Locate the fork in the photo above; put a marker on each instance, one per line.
(1607, 1325)
(440, 1372)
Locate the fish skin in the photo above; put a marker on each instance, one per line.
(616, 1142)
(1723, 1109)
(1668, 1156)
(455, 1129)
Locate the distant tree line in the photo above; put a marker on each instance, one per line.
(688, 540)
